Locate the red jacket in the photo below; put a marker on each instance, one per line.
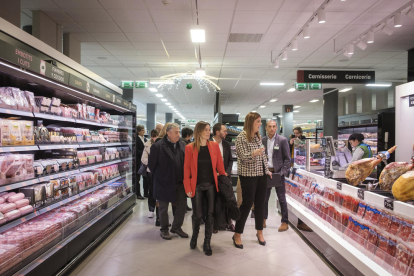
(191, 164)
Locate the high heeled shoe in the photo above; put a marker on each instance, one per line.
(239, 246)
(260, 242)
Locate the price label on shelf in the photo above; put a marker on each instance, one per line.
(339, 185)
(24, 184)
(389, 203)
(26, 148)
(361, 194)
(8, 111)
(23, 219)
(12, 149)
(8, 188)
(48, 208)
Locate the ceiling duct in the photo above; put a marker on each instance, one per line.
(240, 37)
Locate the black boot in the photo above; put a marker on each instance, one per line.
(209, 232)
(196, 229)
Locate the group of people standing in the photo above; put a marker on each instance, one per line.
(178, 168)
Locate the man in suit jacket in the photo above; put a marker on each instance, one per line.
(141, 140)
(219, 136)
(277, 150)
(166, 162)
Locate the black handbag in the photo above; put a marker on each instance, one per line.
(143, 170)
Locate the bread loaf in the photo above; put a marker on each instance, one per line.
(403, 188)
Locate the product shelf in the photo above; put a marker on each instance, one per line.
(91, 145)
(18, 148)
(85, 122)
(54, 205)
(16, 112)
(20, 184)
(113, 144)
(58, 146)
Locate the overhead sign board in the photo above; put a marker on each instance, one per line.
(141, 84)
(309, 76)
(411, 99)
(315, 86)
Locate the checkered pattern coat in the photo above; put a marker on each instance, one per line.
(247, 165)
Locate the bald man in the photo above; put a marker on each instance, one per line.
(159, 127)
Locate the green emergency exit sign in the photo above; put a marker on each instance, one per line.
(315, 86)
(127, 84)
(141, 84)
(301, 86)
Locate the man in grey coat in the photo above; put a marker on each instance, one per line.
(277, 150)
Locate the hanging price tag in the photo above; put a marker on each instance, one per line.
(389, 203)
(339, 185)
(361, 194)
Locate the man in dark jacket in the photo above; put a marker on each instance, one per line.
(219, 136)
(166, 162)
(277, 150)
(140, 149)
(186, 135)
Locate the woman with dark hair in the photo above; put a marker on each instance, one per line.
(202, 163)
(252, 168)
(144, 160)
(361, 151)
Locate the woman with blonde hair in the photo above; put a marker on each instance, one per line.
(202, 163)
(252, 168)
(163, 132)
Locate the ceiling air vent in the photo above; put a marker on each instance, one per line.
(238, 37)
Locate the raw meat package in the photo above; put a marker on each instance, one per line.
(382, 246)
(405, 229)
(403, 257)
(392, 172)
(395, 225)
(372, 215)
(6, 98)
(372, 240)
(350, 203)
(31, 100)
(16, 197)
(385, 221)
(362, 206)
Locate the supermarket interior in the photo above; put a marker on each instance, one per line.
(109, 110)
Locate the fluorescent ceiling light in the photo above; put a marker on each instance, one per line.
(387, 29)
(162, 82)
(238, 113)
(350, 49)
(192, 125)
(254, 111)
(397, 20)
(198, 34)
(164, 100)
(200, 72)
(314, 101)
(167, 103)
(305, 32)
(280, 116)
(272, 83)
(294, 44)
(273, 100)
(159, 95)
(296, 106)
(152, 89)
(370, 37)
(345, 89)
(262, 106)
(294, 121)
(379, 84)
(346, 53)
(284, 55)
(292, 89)
(171, 106)
(321, 16)
(296, 111)
(276, 63)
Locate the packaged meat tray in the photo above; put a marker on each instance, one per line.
(350, 203)
(382, 247)
(372, 240)
(405, 229)
(395, 225)
(361, 209)
(403, 257)
(385, 221)
(372, 215)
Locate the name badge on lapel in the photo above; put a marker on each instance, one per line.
(276, 147)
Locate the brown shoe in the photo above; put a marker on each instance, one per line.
(284, 227)
(302, 226)
(264, 223)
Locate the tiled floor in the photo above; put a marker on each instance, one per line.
(136, 248)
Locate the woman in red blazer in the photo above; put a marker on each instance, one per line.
(202, 162)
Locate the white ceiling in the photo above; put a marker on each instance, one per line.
(144, 39)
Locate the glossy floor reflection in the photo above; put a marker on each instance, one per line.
(136, 248)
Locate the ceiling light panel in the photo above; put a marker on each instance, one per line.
(198, 34)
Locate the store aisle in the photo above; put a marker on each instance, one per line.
(136, 248)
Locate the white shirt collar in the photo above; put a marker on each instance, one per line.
(216, 141)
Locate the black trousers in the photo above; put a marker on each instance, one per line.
(200, 199)
(151, 200)
(281, 195)
(253, 191)
(181, 199)
(138, 185)
(145, 185)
